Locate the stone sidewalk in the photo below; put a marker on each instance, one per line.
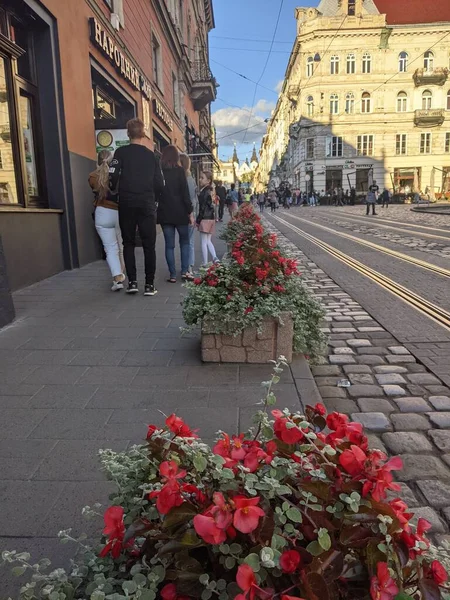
(83, 368)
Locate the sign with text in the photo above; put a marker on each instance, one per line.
(162, 113)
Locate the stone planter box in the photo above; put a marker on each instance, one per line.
(274, 339)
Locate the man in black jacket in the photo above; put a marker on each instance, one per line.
(222, 193)
(136, 172)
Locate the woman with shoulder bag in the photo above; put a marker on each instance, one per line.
(106, 217)
(205, 220)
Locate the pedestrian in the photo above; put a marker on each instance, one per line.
(247, 197)
(240, 197)
(136, 173)
(287, 197)
(371, 198)
(273, 200)
(222, 193)
(106, 218)
(352, 196)
(175, 212)
(234, 200)
(339, 197)
(205, 219)
(385, 198)
(261, 201)
(186, 164)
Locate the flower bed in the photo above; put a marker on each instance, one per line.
(295, 509)
(256, 281)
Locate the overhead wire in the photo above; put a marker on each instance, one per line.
(243, 76)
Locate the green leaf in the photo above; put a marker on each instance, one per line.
(224, 548)
(206, 594)
(230, 562)
(278, 542)
(140, 579)
(200, 463)
(324, 539)
(129, 587)
(314, 548)
(204, 578)
(147, 595)
(179, 515)
(253, 560)
(235, 548)
(293, 514)
(18, 571)
(403, 596)
(227, 474)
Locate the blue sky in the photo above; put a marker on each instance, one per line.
(251, 24)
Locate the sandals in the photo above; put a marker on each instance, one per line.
(171, 280)
(187, 277)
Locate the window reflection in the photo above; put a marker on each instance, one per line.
(8, 187)
(26, 120)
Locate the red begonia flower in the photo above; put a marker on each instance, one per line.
(208, 530)
(353, 461)
(382, 586)
(168, 497)
(245, 577)
(247, 514)
(438, 572)
(169, 592)
(179, 427)
(170, 470)
(290, 561)
(285, 429)
(115, 530)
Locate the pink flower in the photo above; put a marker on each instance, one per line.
(438, 572)
(208, 530)
(247, 515)
(382, 586)
(115, 530)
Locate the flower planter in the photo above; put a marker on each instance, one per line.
(252, 345)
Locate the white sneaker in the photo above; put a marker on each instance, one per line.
(116, 286)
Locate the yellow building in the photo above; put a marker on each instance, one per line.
(366, 96)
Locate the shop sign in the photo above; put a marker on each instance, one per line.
(111, 139)
(368, 166)
(162, 113)
(116, 57)
(309, 167)
(349, 164)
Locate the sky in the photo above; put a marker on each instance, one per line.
(240, 43)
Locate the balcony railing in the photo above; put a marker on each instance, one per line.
(201, 71)
(430, 118)
(203, 90)
(437, 76)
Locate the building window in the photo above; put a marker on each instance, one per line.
(1, 160)
(448, 100)
(334, 104)
(310, 66)
(108, 4)
(351, 64)
(400, 144)
(402, 102)
(366, 103)
(427, 98)
(428, 61)
(403, 62)
(349, 103)
(310, 106)
(334, 65)
(365, 145)
(310, 148)
(425, 143)
(176, 94)
(367, 63)
(157, 63)
(447, 141)
(334, 146)
(351, 11)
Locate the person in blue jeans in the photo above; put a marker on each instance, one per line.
(175, 212)
(186, 164)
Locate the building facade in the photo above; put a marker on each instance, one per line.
(366, 97)
(234, 171)
(71, 75)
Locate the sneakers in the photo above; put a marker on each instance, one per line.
(150, 290)
(132, 287)
(116, 286)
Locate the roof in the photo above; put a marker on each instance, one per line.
(409, 12)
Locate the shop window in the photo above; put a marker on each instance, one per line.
(400, 144)
(24, 39)
(427, 99)
(333, 179)
(28, 135)
(112, 109)
(402, 102)
(403, 62)
(351, 64)
(8, 182)
(157, 63)
(365, 144)
(425, 143)
(367, 63)
(366, 105)
(362, 180)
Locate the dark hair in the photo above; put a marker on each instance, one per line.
(232, 186)
(208, 176)
(170, 157)
(136, 129)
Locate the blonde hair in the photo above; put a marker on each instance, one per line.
(102, 172)
(185, 163)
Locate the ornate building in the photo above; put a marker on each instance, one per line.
(366, 96)
(235, 171)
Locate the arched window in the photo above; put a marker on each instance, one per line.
(334, 65)
(427, 98)
(367, 63)
(309, 66)
(366, 103)
(350, 103)
(428, 61)
(310, 106)
(351, 64)
(448, 100)
(334, 104)
(403, 62)
(402, 102)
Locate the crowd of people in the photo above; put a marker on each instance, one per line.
(133, 191)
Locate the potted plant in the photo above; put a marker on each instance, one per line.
(253, 306)
(294, 509)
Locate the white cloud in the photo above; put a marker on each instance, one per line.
(230, 120)
(279, 86)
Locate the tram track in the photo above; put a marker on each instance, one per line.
(419, 303)
(399, 255)
(380, 223)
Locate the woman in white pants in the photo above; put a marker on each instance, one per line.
(206, 221)
(107, 219)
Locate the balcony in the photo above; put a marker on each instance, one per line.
(203, 90)
(437, 76)
(429, 118)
